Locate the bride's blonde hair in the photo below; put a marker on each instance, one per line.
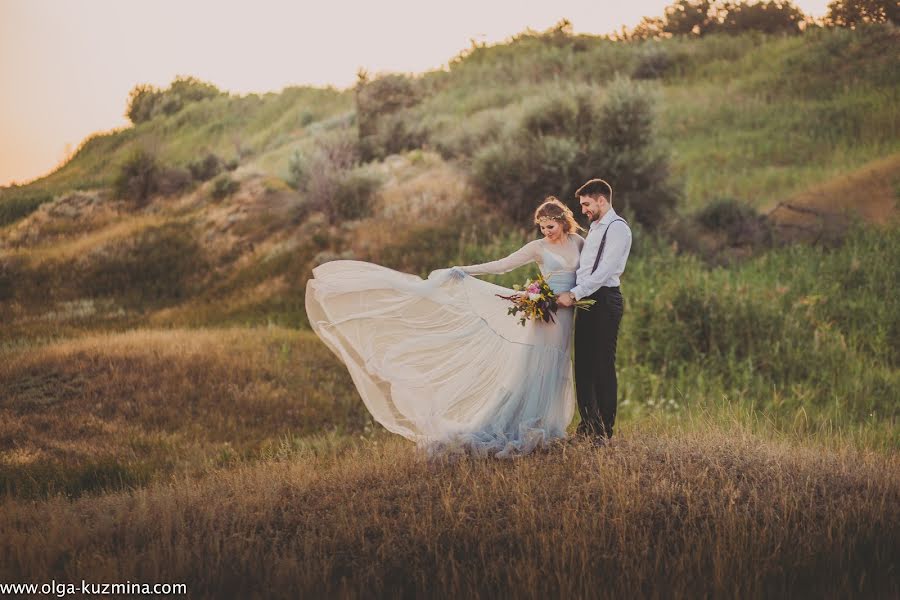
(553, 208)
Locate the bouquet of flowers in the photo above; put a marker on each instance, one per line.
(536, 301)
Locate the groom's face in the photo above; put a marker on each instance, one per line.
(591, 207)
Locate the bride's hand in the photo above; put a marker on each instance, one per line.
(457, 273)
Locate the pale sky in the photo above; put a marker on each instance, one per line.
(66, 66)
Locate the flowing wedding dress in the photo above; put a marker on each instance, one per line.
(441, 362)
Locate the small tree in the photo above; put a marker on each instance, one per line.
(138, 178)
(380, 107)
(191, 89)
(688, 17)
(205, 168)
(767, 17)
(850, 13)
(141, 102)
(702, 17)
(146, 102)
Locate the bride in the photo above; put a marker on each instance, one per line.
(440, 361)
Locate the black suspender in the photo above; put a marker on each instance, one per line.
(603, 243)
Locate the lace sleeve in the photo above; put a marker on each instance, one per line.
(579, 241)
(522, 256)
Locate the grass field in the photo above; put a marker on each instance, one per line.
(241, 462)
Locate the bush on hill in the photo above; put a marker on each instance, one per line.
(736, 219)
(138, 178)
(385, 125)
(567, 138)
(205, 168)
(146, 101)
(851, 13)
(223, 186)
(142, 176)
(332, 178)
(703, 17)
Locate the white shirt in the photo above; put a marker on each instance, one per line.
(612, 263)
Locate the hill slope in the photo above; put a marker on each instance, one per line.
(760, 119)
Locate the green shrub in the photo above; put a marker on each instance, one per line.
(330, 177)
(205, 168)
(766, 17)
(737, 220)
(146, 102)
(138, 178)
(566, 138)
(223, 186)
(142, 176)
(355, 193)
(851, 13)
(703, 17)
(142, 102)
(385, 126)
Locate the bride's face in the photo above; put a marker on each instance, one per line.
(552, 230)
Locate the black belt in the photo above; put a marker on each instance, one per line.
(606, 289)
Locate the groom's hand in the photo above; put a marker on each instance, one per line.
(566, 299)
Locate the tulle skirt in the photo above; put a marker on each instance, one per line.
(441, 362)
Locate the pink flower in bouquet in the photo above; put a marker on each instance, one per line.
(536, 301)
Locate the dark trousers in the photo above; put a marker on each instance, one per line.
(596, 332)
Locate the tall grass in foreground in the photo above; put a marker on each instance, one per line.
(660, 513)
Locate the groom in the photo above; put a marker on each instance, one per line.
(596, 330)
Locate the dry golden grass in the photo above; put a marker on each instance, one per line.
(82, 414)
(203, 310)
(123, 228)
(869, 192)
(420, 186)
(660, 513)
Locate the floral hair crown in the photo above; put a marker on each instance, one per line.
(545, 218)
(564, 216)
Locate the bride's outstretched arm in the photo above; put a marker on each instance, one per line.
(524, 255)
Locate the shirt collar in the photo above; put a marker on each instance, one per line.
(609, 216)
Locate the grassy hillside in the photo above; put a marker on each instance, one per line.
(753, 117)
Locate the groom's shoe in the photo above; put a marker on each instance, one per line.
(599, 441)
